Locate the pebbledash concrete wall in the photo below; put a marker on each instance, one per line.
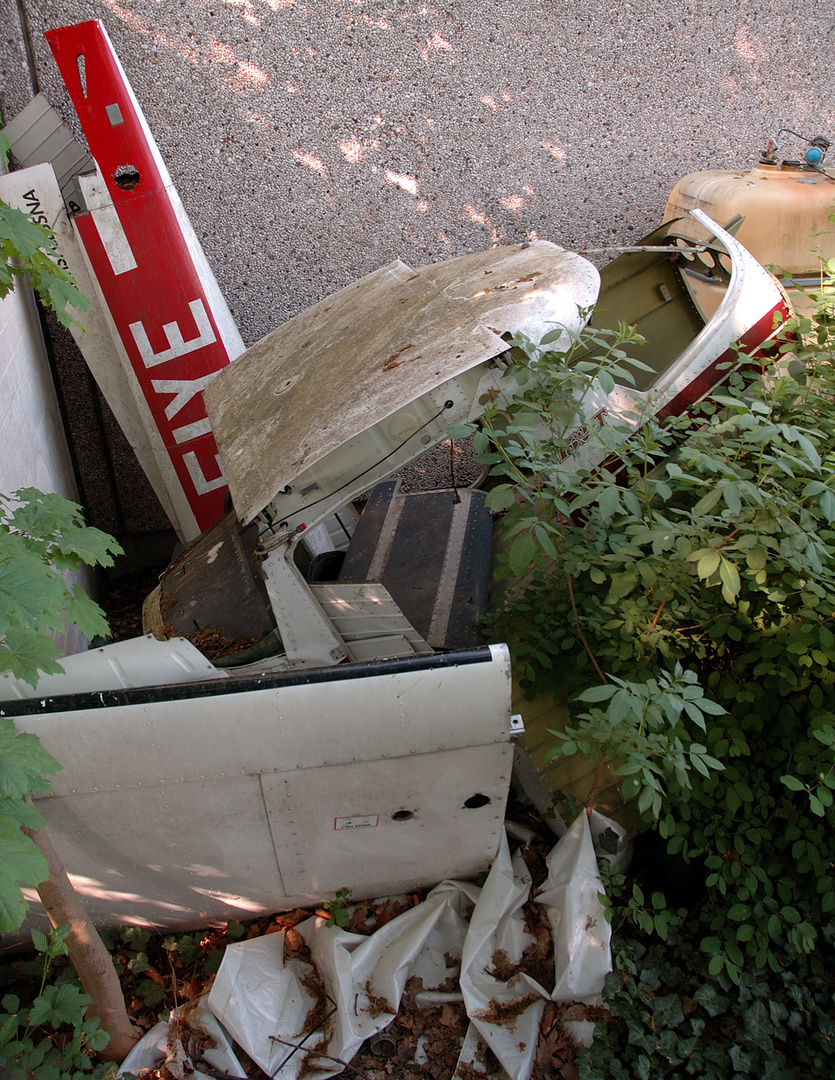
(313, 141)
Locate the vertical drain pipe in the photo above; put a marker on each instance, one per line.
(27, 45)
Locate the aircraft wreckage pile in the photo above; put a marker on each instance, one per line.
(349, 729)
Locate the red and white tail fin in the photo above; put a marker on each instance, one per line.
(170, 324)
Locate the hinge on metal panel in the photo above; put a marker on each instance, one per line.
(517, 726)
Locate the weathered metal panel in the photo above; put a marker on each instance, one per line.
(139, 662)
(432, 552)
(356, 358)
(369, 621)
(411, 810)
(182, 805)
(213, 592)
(686, 367)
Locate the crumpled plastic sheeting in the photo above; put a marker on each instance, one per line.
(581, 936)
(578, 920)
(505, 1015)
(156, 1047)
(256, 996)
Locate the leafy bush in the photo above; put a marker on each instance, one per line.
(667, 1017)
(681, 599)
(41, 538)
(51, 1038)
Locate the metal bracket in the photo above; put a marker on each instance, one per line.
(517, 725)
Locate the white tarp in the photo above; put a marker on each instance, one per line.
(266, 1004)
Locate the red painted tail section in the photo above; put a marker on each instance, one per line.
(165, 305)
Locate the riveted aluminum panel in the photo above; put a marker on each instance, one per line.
(172, 806)
(404, 820)
(138, 662)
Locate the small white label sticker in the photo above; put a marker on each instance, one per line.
(367, 822)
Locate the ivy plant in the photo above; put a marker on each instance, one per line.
(666, 1016)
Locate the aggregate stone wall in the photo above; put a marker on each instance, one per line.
(314, 140)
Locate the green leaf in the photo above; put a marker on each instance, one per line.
(21, 232)
(598, 693)
(22, 863)
(827, 505)
(729, 576)
(742, 1062)
(667, 1011)
(28, 587)
(61, 296)
(545, 540)
(139, 963)
(809, 449)
(40, 940)
(708, 563)
(714, 1003)
(707, 503)
(28, 653)
(792, 783)
(500, 498)
(91, 546)
(622, 585)
(22, 762)
(521, 553)
(21, 812)
(609, 501)
(816, 806)
(86, 614)
(57, 1005)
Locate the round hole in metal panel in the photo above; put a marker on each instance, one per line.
(126, 177)
(477, 800)
(402, 815)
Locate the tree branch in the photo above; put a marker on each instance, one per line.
(89, 957)
(586, 645)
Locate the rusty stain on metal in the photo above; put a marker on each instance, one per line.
(353, 333)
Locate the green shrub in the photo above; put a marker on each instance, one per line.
(683, 601)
